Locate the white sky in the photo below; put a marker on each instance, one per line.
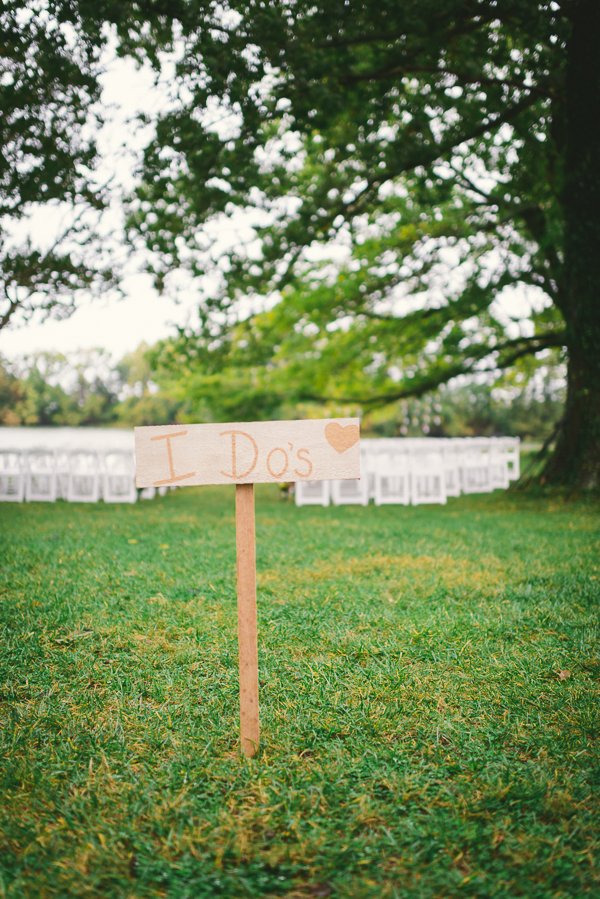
(118, 326)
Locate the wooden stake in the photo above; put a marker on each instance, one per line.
(246, 589)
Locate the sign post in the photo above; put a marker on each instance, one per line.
(245, 454)
(247, 636)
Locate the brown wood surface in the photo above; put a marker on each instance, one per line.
(246, 589)
(254, 452)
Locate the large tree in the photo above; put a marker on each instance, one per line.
(400, 163)
(448, 146)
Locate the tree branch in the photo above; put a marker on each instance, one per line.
(532, 345)
(435, 151)
(12, 308)
(464, 77)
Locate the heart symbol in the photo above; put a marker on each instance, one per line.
(341, 438)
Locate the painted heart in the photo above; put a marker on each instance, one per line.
(341, 438)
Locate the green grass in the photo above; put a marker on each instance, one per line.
(429, 701)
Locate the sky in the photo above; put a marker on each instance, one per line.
(118, 326)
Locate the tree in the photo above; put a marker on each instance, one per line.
(447, 146)
(11, 394)
(83, 389)
(49, 70)
(52, 389)
(142, 403)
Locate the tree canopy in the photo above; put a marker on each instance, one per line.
(352, 187)
(400, 166)
(88, 388)
(49, 70)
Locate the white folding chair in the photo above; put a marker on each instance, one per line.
(84, 477)
(351, 492)
(427, 477)
(12, 476)
(511, 448)
(40, 478)
(451, 455)
(118, 477)
(475, 469)
(312, 493)
(370, 451)
(499, 477)
(392, 479)
(62, 474)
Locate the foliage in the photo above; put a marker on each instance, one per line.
(51, 391)
(10, 396)
(400, 167)
(48, 94)
(429, 690)
(82, 389)
(474, 411)
(141, 400)
(352, 186)
(87, 388)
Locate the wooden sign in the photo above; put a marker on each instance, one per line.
(245, 454)
(258, 452)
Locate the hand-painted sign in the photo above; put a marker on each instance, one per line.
(247, 452)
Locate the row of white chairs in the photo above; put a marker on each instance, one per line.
(420, 470)
(395, 470)
(77, 475)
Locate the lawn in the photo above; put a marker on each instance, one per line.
(429, 701)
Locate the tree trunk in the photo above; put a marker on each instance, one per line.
(576, 460)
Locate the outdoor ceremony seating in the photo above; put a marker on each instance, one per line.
(62, 474)
(420, 470)
(312, 493)
(350, 492)
(118, 477)
(84, 477)
(391, 478)
(451, 460)
(475, 471)
(40, 476)
(150, 492)
(92, 464)
(428, 477)
(511, 450)
(74, 464)
(12, 477)
(498, 469)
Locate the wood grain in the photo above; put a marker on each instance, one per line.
(248, 452)
(247, 636)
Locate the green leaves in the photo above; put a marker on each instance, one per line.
(398, 166)
(349, 187)
(48, 90)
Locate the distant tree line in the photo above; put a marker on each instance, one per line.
(82, 389)
(87, 389)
